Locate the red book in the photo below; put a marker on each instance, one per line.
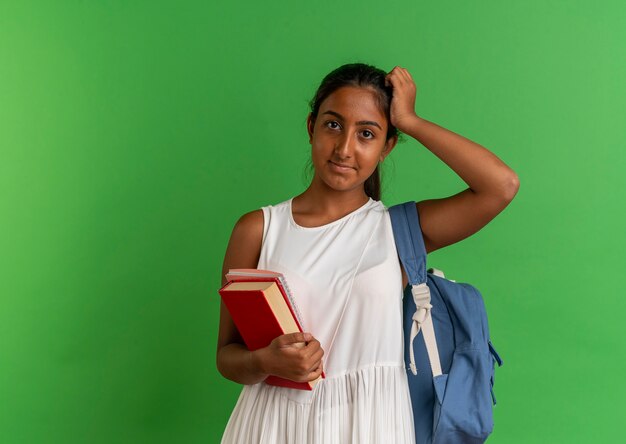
(262, 308)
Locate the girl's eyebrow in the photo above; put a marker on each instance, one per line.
(360, 122)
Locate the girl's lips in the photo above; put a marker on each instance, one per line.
(339, 168)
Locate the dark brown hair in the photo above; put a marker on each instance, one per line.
(363, 76)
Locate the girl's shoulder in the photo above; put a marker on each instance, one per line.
(244, 246)
(250, 222)
(248, 230)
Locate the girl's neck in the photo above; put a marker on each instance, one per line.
(329, 203)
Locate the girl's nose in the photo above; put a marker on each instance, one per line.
(345, 146)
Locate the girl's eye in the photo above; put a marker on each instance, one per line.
(330, 124)
(368, 134)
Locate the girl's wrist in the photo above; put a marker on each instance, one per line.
(256, 363)
(409, 123)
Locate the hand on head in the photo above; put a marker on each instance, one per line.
(403, 102)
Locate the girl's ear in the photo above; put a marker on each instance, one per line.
(389, 145)
(310, 124)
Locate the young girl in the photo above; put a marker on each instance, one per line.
(335, 246)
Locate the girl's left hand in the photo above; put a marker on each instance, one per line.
(403, 100)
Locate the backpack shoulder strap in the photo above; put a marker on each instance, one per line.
(407, 234)
(409, 241)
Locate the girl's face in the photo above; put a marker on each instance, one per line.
(348, 138)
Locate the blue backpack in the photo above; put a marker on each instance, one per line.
(446, 342)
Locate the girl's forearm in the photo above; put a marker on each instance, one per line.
(482, 170)
(237, 363)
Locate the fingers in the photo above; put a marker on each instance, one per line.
(294, 338)
(310, 358)
(311, 354)
(400, 71)
(304, 368)
(309, 347)
(315, 360)
(398, 75)
(298, 356)
(315, 373)
(316, 353)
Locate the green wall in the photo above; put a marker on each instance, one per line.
(133, 134)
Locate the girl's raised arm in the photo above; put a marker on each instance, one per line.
(492, 184)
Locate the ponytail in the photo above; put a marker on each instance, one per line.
(372, 185)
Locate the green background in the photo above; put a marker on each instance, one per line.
(134, 134)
